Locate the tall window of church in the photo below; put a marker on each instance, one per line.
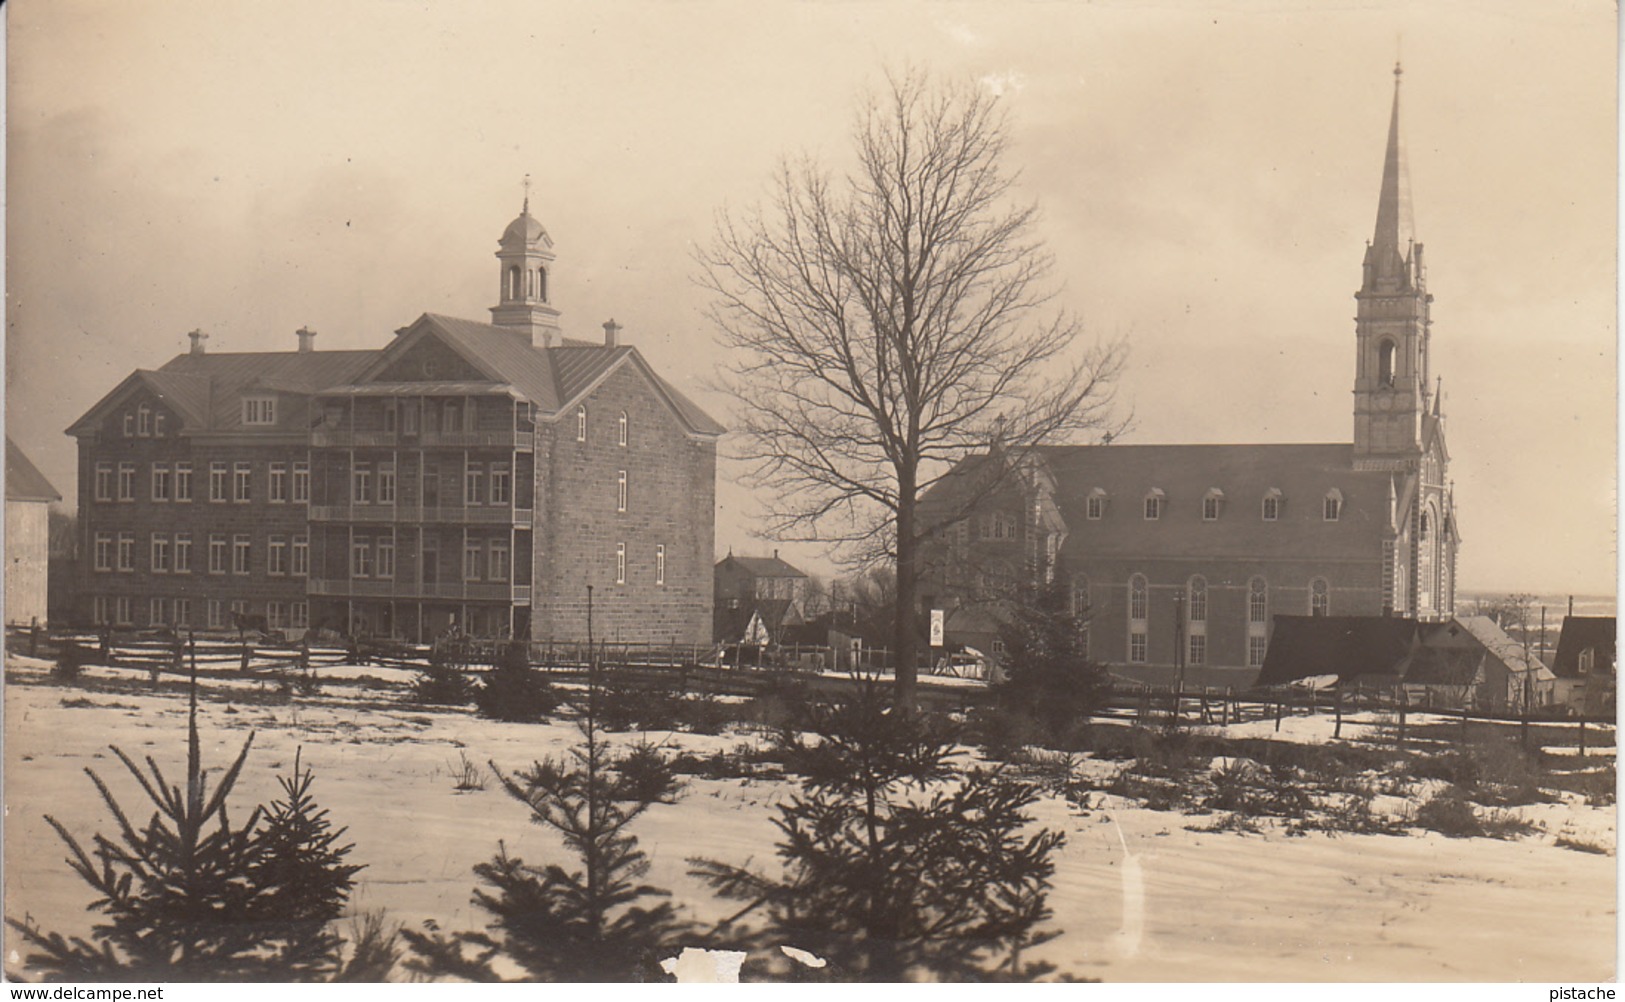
(1334, 505)
(1258, 616)
(1196, 620)
(1387, 351)
(1320, 597)
(1080, 598)
(1138, 624)
(581, 423)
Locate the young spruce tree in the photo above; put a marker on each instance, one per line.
(188, 896)
(590, 922)
(897, 865)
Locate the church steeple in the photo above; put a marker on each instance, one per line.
(1391, 325)
(1391, 243)
(526, 256)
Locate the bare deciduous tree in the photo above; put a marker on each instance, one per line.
(886, 324)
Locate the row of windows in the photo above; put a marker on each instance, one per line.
(119, 610)
(482, 561)
(1195, 602)
(1156, 502)
(144, 422)
(621, 426)
(483, 484)
(173, 554)
(227, 482)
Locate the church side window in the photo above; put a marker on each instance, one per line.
(1196, 620)
(1080, 598)
(1258, 614)
(1153, 504)
(1272, 505)
(1138, 624)
(1096, 505)
(1320, 597)
(1333, 509)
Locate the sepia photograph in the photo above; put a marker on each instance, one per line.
(835, 491)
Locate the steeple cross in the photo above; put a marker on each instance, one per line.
(527, 193)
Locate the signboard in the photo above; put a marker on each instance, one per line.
(936, 627)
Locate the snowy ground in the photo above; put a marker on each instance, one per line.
(1139, 897)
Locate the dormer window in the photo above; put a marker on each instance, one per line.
(259, 410)
(1212, 501)
(1272, 504)
(1154, 501)
(143, 421)
(1334, 505)
(129, 425)
(1096, 505)
(158, 425)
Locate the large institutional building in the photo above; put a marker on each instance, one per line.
(469, 476)
(1181, 554)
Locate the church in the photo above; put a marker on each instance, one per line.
(1179, 556)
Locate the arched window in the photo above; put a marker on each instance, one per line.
(1387, 352)
(1334, 505)
(1080, 598)
(1320, 597)
(620, 431)
(1196, 621)
(581, 423)
(1422, 528)
(1096, 507)
(513, 283)
(541, 284)
(1258, 616)
(1138, 627)
(1080, 610)
(1272, 504)
(1258, 602)
(1154, 500)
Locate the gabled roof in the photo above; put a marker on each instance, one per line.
(763, 567)
(1579, 634)
(553, 379)
(24, 481)
(1345, 646)
(1502, 647)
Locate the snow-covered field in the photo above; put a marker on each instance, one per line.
(1137, 895)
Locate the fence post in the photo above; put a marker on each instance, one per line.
(1337, 710)
(1582, 737)
(1280, 709)
(247, 651)
(1404, 704)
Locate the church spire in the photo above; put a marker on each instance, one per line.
(1391, 243)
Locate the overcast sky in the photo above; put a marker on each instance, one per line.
(1207, 176)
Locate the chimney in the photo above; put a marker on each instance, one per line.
(307, 340)
(198, 337)
(612, 331)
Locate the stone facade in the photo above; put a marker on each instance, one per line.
(471, 477)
